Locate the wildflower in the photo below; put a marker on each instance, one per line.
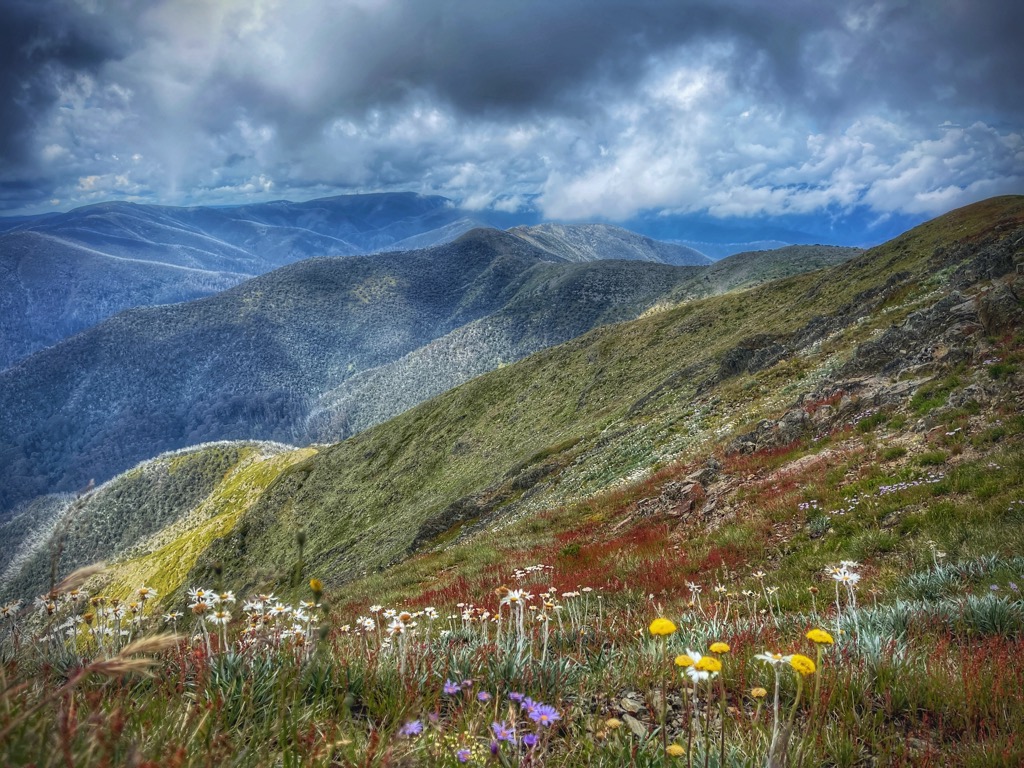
(198, 594)
(772, 658)
(316, 587)
(530, 740)
(463, 755)
(612, 723)
(451, 688)
(483, 696)
(820, 637)
(514, 597)
(662, 627)
(376, 608)
(145, 593)
(545, 714)
(846, 577)
(705, 668)
(801, 664)
(396, 627)
(412, 728)
(675, 750)
(719, 647)
(759, 575)
(758, 693)
(503, 732)
(220, 616)
(682, 660)
(516, 697)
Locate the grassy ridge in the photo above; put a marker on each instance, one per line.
(625, 397)
(878, 420)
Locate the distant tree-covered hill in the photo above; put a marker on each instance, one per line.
(313, 351)
(62, 273)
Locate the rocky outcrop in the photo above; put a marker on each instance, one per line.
(936, 333)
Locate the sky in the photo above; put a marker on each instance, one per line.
(572, 109)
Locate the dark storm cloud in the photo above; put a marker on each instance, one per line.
(42, 45)
(591, 107)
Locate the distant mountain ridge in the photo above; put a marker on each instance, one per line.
(589, 242)
(316, 350)
(62, 273)
(875, 352)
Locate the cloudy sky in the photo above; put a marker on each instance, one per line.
(577, 109)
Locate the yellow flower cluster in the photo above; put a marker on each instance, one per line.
(708, 664)
(820, 636)
(662, 627)
(801, 664)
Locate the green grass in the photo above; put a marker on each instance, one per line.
(574, 459)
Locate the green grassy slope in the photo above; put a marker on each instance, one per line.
(575, 419)
(141, 513)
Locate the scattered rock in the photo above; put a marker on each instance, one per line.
(635, 726)
(630, 706)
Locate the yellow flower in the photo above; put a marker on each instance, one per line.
(758, 693)
(662, 627)
(612, 723)
(801, 664)
(684, 661)
(711, 664)
(674, 750)
(820, 636)
(719, 648)
(316, 586)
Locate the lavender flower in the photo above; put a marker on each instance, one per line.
(503, 732)
(412, 728)
(545, 714)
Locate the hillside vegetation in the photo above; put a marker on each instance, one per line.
(315, 351)
(775, 528)
(573, 420)
(63, 273)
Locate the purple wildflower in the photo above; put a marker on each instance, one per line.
(545, 714)
(412, 728)
(516, 697)
(503, 732)
(451, 688)
(483, 696)
(530, 740)
(463, 755)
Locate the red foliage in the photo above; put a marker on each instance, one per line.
(832, 399)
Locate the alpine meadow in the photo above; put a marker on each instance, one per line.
(394, 383)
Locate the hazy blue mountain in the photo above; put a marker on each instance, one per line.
(720, 236)
(253, 360)
(590, 242)
(62, 273)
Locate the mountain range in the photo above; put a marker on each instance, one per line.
(903, 334)
(326, 347)
(63, 273)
